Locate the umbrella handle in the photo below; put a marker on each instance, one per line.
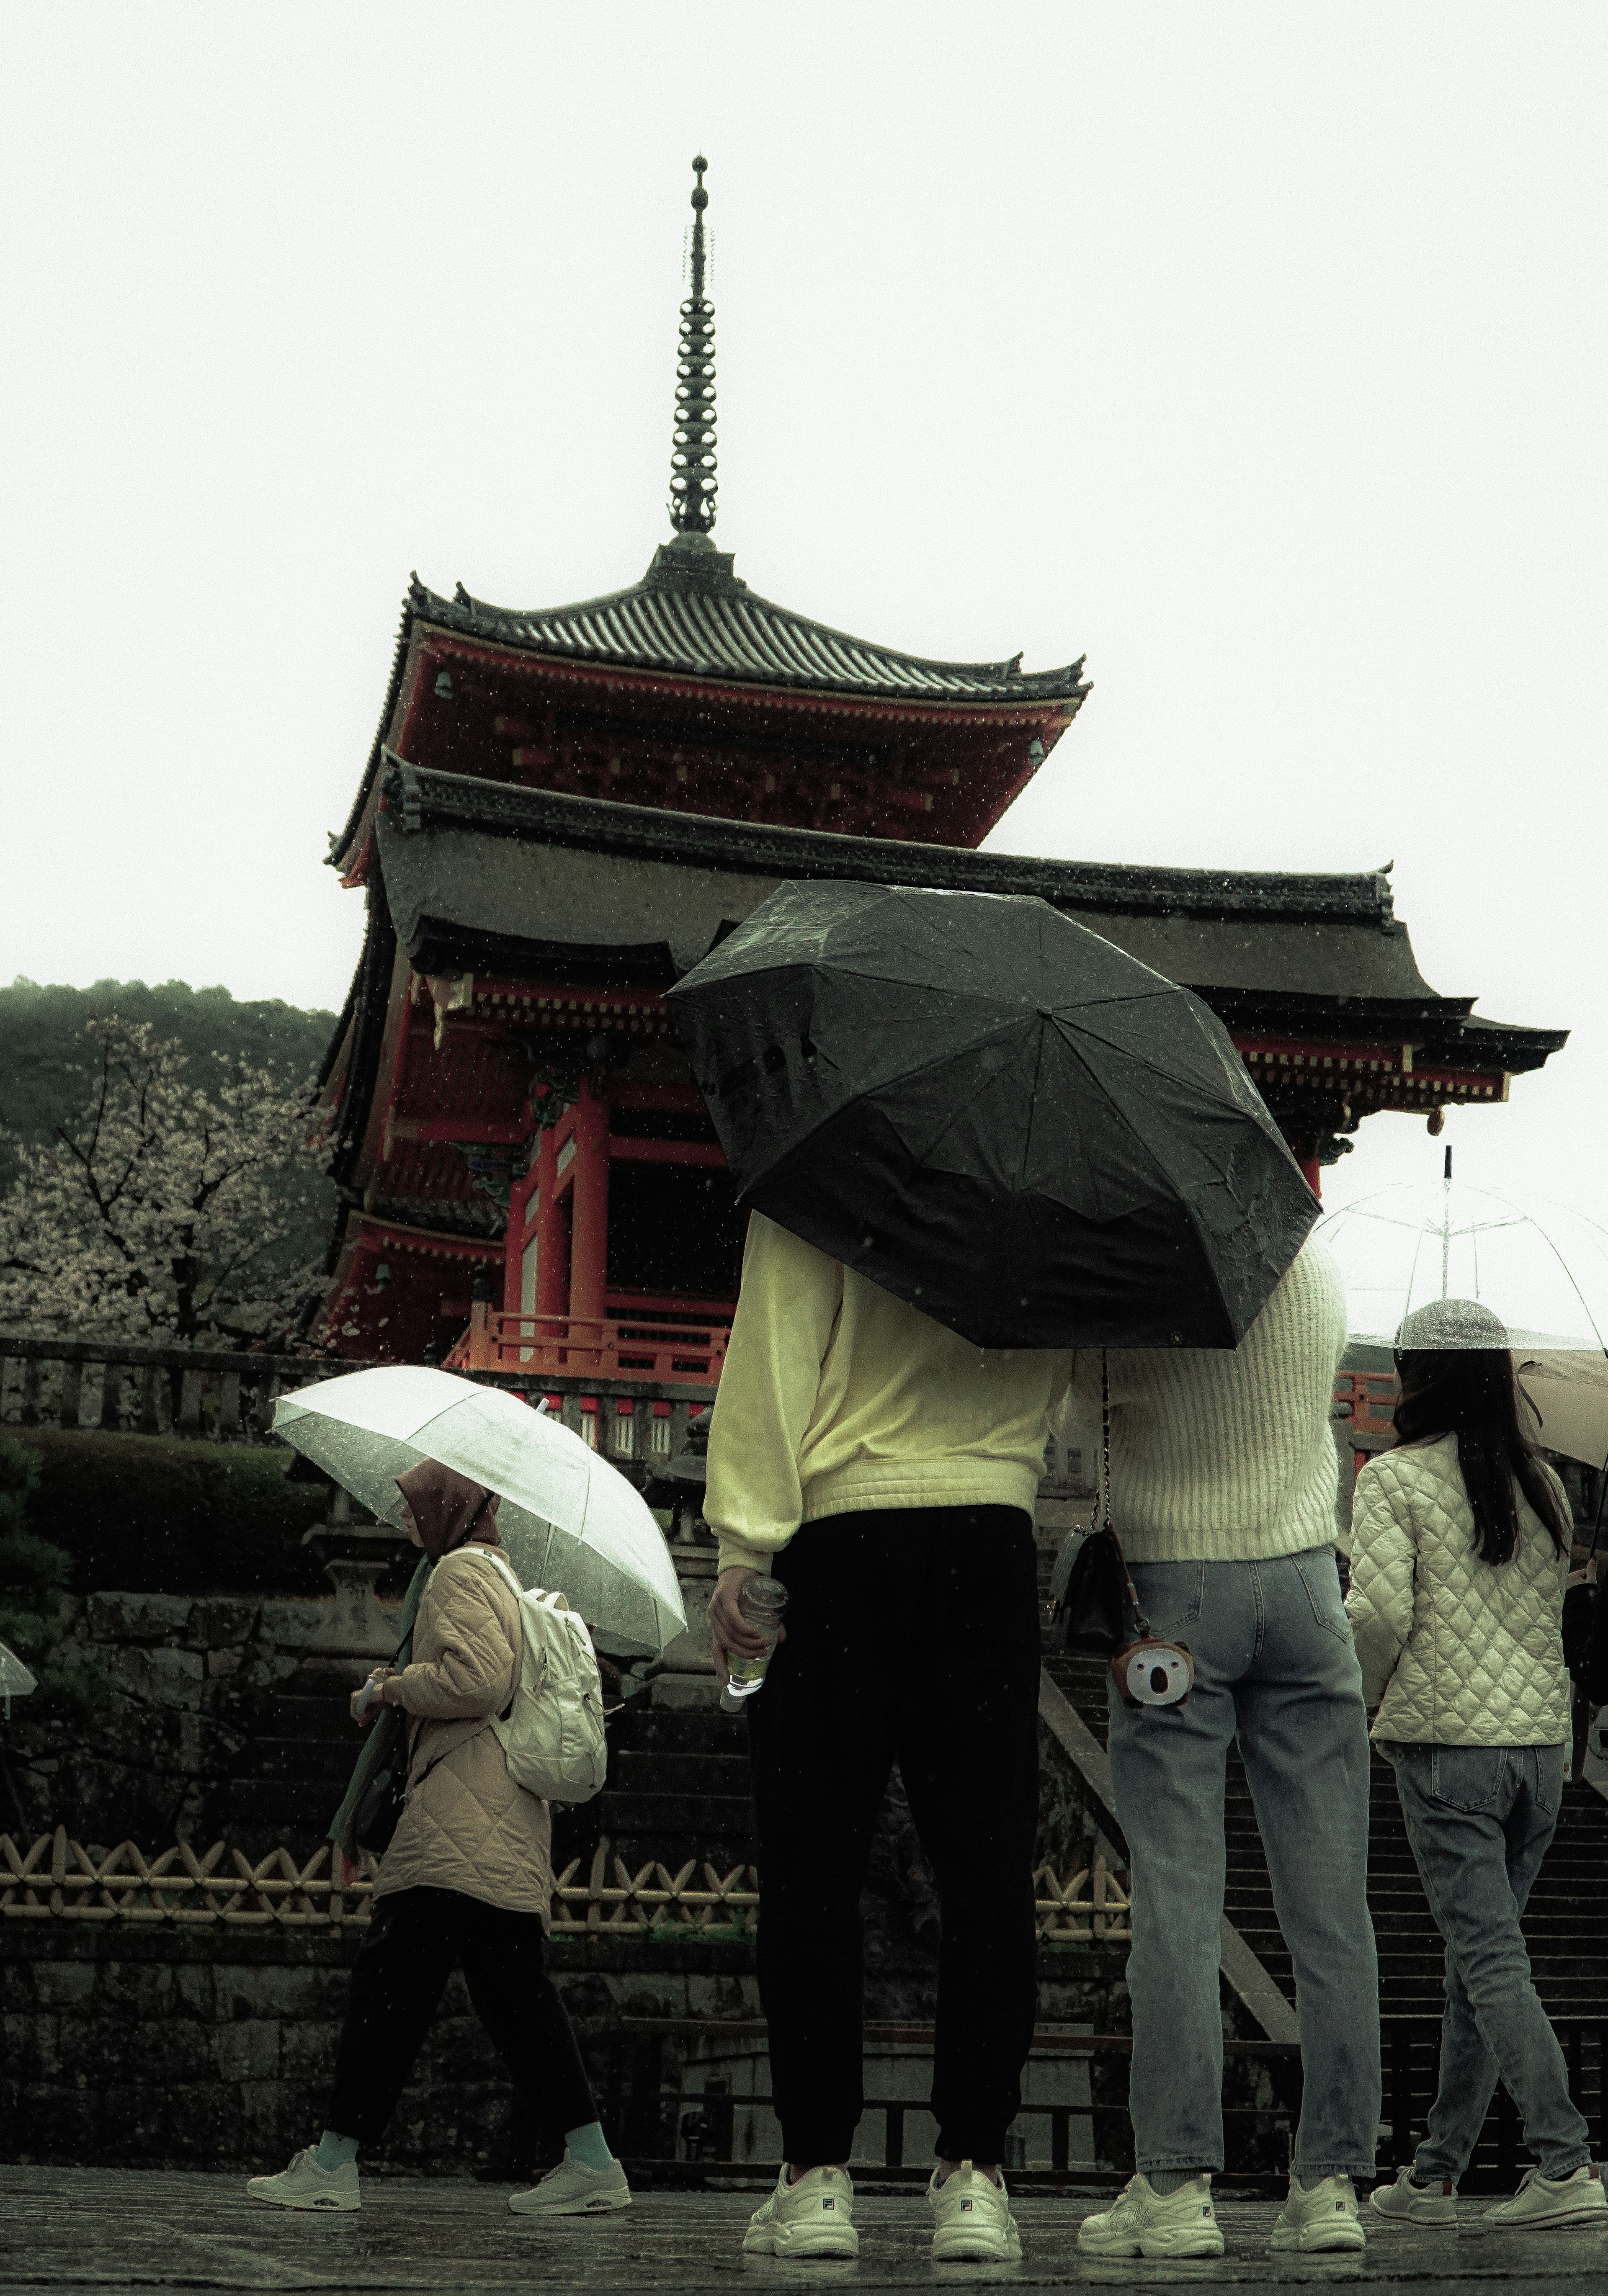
(1141, 1623)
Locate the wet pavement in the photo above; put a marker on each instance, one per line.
(106, 2230)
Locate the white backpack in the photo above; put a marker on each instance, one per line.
(553, 1732)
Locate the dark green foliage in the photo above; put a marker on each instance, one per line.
(149, 1514)
(34, 1574)
(42, 1041)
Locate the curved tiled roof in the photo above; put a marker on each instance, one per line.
(691, 615)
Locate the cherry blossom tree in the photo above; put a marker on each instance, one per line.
(174, 1210)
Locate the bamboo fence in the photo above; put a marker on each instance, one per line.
(57, 1879)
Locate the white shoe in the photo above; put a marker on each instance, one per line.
(1325, 2216)
(304, 2185)
(975, 2223)
(1405, 2202)
(1146, 2223)
(813, 2217)
(1542, 2201)
(573, 2190)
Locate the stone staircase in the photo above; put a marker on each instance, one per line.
(1562, 1926)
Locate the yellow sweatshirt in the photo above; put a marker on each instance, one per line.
(837, 1398)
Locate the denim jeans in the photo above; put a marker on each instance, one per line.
(1273, 1661)
(1480, 1819)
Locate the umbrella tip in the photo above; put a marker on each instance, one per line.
(1446, 1174)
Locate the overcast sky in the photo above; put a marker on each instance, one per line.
(1255, 351)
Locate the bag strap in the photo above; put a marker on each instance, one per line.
(1104, 1523)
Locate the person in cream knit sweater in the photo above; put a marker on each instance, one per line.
(886, 1470)
(1224, 1477)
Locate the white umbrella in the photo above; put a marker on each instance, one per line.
(1541, 1268)
(15, 1680)
(1570, 1392)
(568, 1519)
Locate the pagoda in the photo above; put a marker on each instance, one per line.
(565, 808)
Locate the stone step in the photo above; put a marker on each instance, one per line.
(634, 1770)
(668, 1819)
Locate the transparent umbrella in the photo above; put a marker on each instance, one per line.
(568, 1520)
(15, 1680)
(1541, 1268)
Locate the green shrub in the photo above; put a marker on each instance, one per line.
(35, 1574)
(151, 1514)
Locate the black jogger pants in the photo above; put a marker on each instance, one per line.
(398, 1980)
(912, 1635)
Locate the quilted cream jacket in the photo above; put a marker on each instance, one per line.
(466, 1825)
(1455, 1652)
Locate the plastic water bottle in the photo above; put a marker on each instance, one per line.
(761, 1601)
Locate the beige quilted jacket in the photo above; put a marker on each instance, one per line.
(466, 1825)
(1455, 1652)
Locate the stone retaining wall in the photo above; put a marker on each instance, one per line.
(174, 1687)
(210, 2048)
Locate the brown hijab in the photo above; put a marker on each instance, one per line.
(448, 1508)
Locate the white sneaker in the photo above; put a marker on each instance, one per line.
(1542, 2201)
(813, 2217)
(1325, 2216)
(1146, 2223)
(975, 2223)
(1405, 2202)
(304, 2185)
(573, 2190)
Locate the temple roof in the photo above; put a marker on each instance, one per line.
(692, 616)
(493, 878)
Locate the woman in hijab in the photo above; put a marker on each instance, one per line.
(466, 1878)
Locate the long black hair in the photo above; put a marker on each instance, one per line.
(1471, 1393)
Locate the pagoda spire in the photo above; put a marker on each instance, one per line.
(692, 463)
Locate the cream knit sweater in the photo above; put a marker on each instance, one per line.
(1222, 1455)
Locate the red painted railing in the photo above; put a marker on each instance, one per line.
(614, 1347)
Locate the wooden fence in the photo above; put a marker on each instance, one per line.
(57, 1879)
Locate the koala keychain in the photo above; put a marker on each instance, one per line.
(1147, 1671)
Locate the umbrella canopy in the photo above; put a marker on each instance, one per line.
(994, 1114)
(1541, 1269)
(568, 1519)
(15, 1680)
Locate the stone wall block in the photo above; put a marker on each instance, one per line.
(116, 1618)
(275, 2122)
(61, 1984)
(197, 1991)
(218, 1620)
(306, 2050)
(248, 2049)
(286, 1991)
(29, 2046)
(135, 1991)
(460, 2050)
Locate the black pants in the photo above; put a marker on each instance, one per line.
(911, 1635)
(401, 1974)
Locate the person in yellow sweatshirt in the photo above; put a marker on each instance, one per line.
(887, 1471)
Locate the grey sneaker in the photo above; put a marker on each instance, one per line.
(1405, 2202)
(1147, 2223)
(1542, 2201)
(570, 2190)
(304, 2185)
(971, 2219)
(813, 2217)
(1321, 2217)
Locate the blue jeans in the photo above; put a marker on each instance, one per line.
(1273, 1661)
(1480, 1819)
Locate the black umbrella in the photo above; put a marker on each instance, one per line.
(994, 1113)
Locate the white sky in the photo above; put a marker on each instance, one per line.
(1256, 350)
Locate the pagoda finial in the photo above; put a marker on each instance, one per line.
(693, 460)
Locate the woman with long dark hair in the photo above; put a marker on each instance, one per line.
(1460, 1549)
